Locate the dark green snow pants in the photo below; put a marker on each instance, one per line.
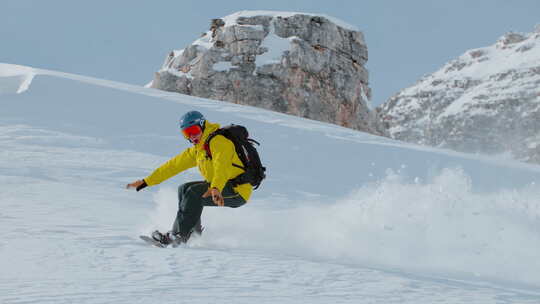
(191, 203)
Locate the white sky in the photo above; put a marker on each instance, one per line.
(128, 40)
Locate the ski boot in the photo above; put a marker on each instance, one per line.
(162, 238)
(170, 238)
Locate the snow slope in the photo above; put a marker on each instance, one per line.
(343, 216)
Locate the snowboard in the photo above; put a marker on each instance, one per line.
(151, 241)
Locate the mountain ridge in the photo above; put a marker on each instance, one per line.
(485, 101)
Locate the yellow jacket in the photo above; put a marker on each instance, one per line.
(216, 171)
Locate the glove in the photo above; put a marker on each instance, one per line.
(142, 186)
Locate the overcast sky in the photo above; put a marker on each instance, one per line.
(128, 40)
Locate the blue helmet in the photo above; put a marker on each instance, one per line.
(192, 118)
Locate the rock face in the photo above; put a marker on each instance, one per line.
(305, 65)
(486, 101)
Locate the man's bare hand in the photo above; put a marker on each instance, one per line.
(216, 196)
(136, 184)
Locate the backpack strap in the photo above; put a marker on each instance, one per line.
(206, 145)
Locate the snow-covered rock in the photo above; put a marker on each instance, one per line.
(306, 65)
(485, 101)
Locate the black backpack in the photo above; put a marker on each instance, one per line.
(244, 146)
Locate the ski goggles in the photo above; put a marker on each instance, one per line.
(192, 131)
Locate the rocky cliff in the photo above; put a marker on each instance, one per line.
(486, 101)
(306, 65)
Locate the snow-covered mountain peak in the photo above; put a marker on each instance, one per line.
(232, 19)
(511, 51)
(308, 65)
(487, 100)
(510, 38)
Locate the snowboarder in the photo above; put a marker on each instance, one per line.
(218, 188)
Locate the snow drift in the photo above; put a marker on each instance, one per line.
(15, 78)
